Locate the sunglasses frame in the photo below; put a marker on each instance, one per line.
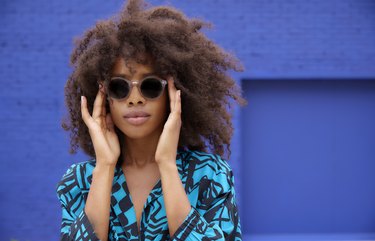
(133, 83)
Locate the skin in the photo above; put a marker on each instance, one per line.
(150, 148)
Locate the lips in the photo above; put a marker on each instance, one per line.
(137, 117)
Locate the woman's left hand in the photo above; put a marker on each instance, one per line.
(166, 150)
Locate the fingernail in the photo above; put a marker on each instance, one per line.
(81, 98)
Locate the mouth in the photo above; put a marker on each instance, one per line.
(137, 118)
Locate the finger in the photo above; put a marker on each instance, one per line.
(84, 111)
(172, 92)
(177, 104)
(98, 103)
(177, 107)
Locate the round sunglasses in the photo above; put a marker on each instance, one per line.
(150, 87)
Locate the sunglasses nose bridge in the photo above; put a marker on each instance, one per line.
(134, 83)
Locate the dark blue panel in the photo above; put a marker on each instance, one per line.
(308, 156)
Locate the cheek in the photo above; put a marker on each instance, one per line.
(160, 111)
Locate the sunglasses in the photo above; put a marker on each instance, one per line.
(150, 87)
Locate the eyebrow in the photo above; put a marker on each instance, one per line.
(144, 75)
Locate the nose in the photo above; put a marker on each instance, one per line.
(135, 97)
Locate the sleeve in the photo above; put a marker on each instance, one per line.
(75, 224)
(220, 221)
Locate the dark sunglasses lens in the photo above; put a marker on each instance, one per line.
(151, 88)
(118, 88)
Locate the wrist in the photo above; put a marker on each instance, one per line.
(103, 168)
(167, 166)
(163, 160)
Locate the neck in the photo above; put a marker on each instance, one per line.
(140, 152)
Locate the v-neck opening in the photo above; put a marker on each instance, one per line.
(149, 198)
(156, 186)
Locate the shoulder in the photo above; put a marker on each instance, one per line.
(205, 160)
(76, 178)
(207, 166)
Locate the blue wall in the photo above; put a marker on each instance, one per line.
(304, 144)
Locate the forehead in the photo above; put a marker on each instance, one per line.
(131, 68)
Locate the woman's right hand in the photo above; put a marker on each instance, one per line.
(101, 129)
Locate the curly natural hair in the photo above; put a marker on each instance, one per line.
(179, 49)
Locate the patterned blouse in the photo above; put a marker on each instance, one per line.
(209, 184)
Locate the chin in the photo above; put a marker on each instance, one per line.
(140, 132)
(137, 135)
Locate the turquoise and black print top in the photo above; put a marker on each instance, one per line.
(209, 184)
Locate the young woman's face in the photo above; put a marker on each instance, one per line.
(136, 116)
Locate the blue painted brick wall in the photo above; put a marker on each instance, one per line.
(317, 38)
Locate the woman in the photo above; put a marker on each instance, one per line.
(148, 100)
